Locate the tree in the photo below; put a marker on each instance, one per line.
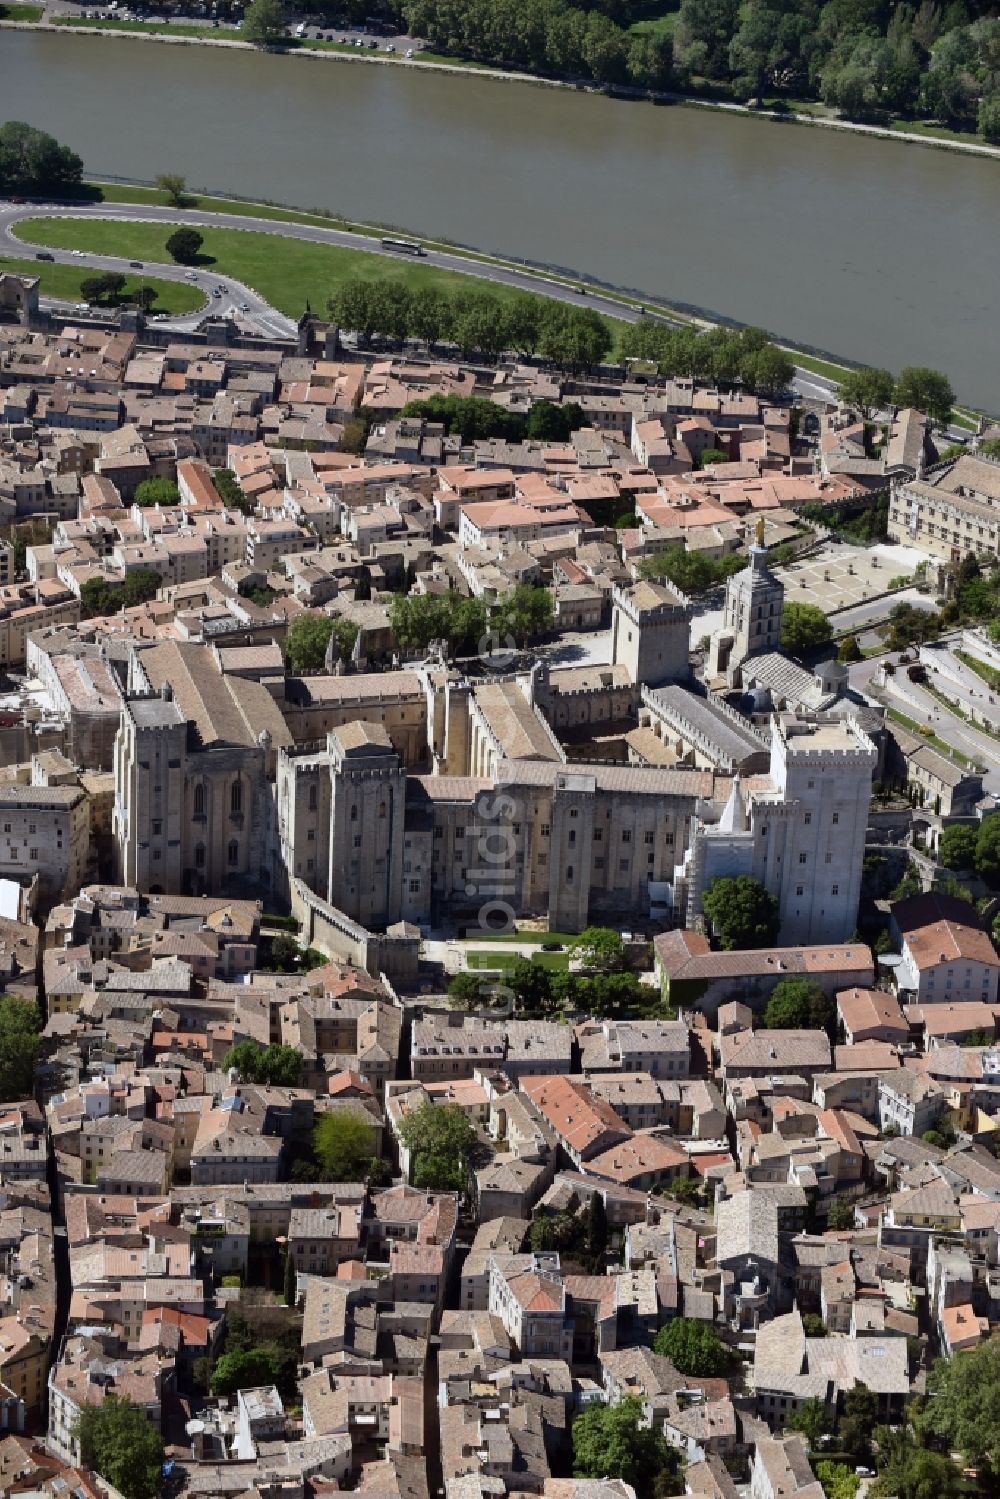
(742, 913)
(804, 628)
(163, 492)
(811, 1418)
(596, 1233)
(118, 1439)
(925, 390)
(612, 1441)
(231, 493)
(140, 586)
(599, 948)
(957, 849)
(813, 1325)
(105, 289)
(849, 650)
(33, 162)
(175, 187)
(860, 1415)
(799, 1004)
(523, 614)
(988, 119)
(306, 642)
(710, 456)
(20, 1043)
(840, 1215)
(264, 23)
(988, 849)
(275, 1066)
(344, 1145)
(466, 991)
(440, 1139)
(868, 390)
(244, 1369)
(964, 1410)
(693, 1347)
(910, 1471)
(838, 1480)
(185, 246)
(562, 1233)
(531, 985)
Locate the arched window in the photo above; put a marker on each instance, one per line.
(312, 798)
(199, 799)
(354, 814)
(199, 856)
(234, 851)
(236, 798)
(381, 809)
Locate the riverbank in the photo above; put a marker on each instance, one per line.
(538, 278)
(151, 31)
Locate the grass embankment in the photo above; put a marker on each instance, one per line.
(932, 739)
(63, 281)
(21, 12)
(989, 674)
(153, 28)
(288, 273)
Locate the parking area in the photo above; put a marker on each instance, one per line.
(841, 576)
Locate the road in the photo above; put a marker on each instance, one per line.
(267, 319)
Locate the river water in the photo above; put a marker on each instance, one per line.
(881, 251)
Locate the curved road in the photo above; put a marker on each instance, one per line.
(244, 302)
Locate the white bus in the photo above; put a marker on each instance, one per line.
(404, 246)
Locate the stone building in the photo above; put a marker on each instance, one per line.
(194, 767)
(44, 832)
(801, 834)
(752, 621)
(650, 626)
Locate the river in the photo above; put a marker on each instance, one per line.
(880, 251)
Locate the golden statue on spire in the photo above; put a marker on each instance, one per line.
(760, 530)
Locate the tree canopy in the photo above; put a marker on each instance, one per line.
(440, 1139)
(799, 1004)
(599, 949)
(244, 1369)
(964, 1410)
(926, 390)
(475, 320)
(741, 911)
(184, 245)
(33, 162)
(264, 22)
(119, 1440)
(693, 1347)
(868, 389)
(692, 572)
(307, 640)
(612, 1441)
(804, 628)
(163, 492)
(275, 1066)
(344, 1145)
(20, 1043)
(958, 846)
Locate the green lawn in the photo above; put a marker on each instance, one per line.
(502, 962)
(21, 12)
(64, 281)
(288, 273)
(217, 33)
